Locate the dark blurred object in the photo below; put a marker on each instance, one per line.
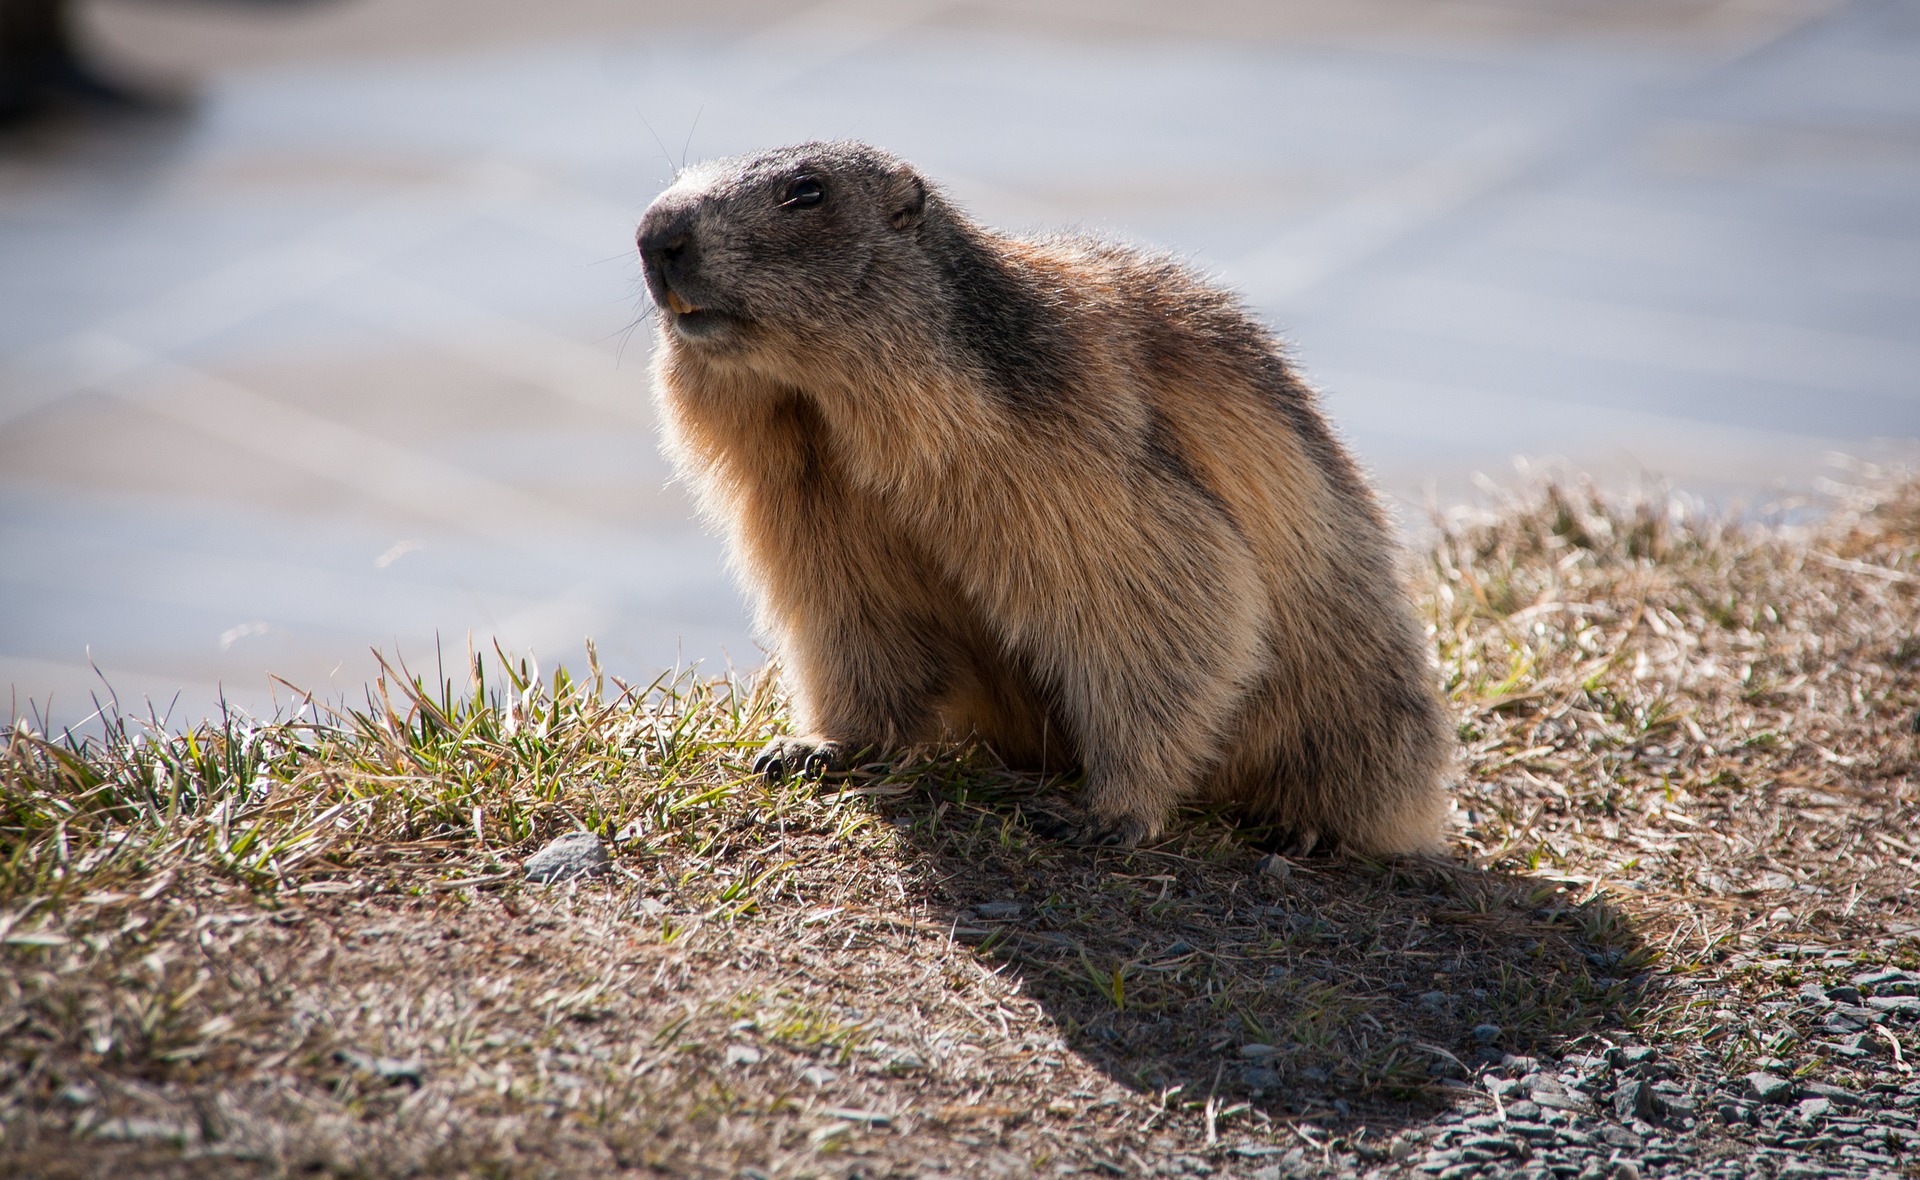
(42, 68)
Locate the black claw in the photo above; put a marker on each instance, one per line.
(1085, 830)
(1050, 826)
(784, 758)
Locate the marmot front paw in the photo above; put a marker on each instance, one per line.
(787, 757)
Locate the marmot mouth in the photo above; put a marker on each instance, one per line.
(679, 305)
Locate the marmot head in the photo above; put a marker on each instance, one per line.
(748, 252)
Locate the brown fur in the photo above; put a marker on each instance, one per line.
(1055, 494)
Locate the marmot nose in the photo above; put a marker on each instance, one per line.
(666, 248)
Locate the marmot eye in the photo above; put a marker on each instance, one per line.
(803, 193)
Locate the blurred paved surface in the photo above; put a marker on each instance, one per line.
(347, 357)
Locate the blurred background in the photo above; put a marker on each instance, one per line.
(320, 326)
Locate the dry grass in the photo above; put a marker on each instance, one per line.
(302, 947)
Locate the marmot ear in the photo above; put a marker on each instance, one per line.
(906, 198)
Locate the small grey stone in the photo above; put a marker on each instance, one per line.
(1523, 1110)
(395, 1071)
(1260, 1078)
(1626, 1170)
(1898, 1005)
(1814, 994)
(1275, 866)
(1256, 1051)
(1678, 1107)
(1840, 1023)
(1769, 1088)
(743, 1055)
(576, 854)
(1814, 1108)
(1434, 999)
(1486, 1034)
(1637, 1100)
(1844, 994)
(818, 1075)
(999, 911)
(1621, 1138)
(1549, 1092)
(1833, 1094)
(1882, 975)
(137, 1129)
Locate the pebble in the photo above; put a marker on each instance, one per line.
(1637, 1100)
(743, 1055)
(999, 911)
(395, 1071)
(1769, 1088)
(1550, 1093)
(1486, 1034)
(1832, 1094)
(136, 1129)
(1260, 1078)
(574, 855)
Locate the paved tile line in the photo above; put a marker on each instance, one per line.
(281, 274)
(407, 479)
(1623, 230)
(257, 283)
(1374, 221)
(1376, 218)
(1690, 342)
(511, 347)
(1746, 25)
(160, 568)
(1386, 397)
(827, 31)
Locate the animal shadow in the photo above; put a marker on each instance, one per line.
(1356, 992)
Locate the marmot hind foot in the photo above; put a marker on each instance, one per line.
(1067, 824)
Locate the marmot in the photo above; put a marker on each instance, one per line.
(1056, 494)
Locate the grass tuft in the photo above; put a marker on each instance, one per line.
(304, 945)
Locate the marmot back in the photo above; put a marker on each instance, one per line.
(1054, 494)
